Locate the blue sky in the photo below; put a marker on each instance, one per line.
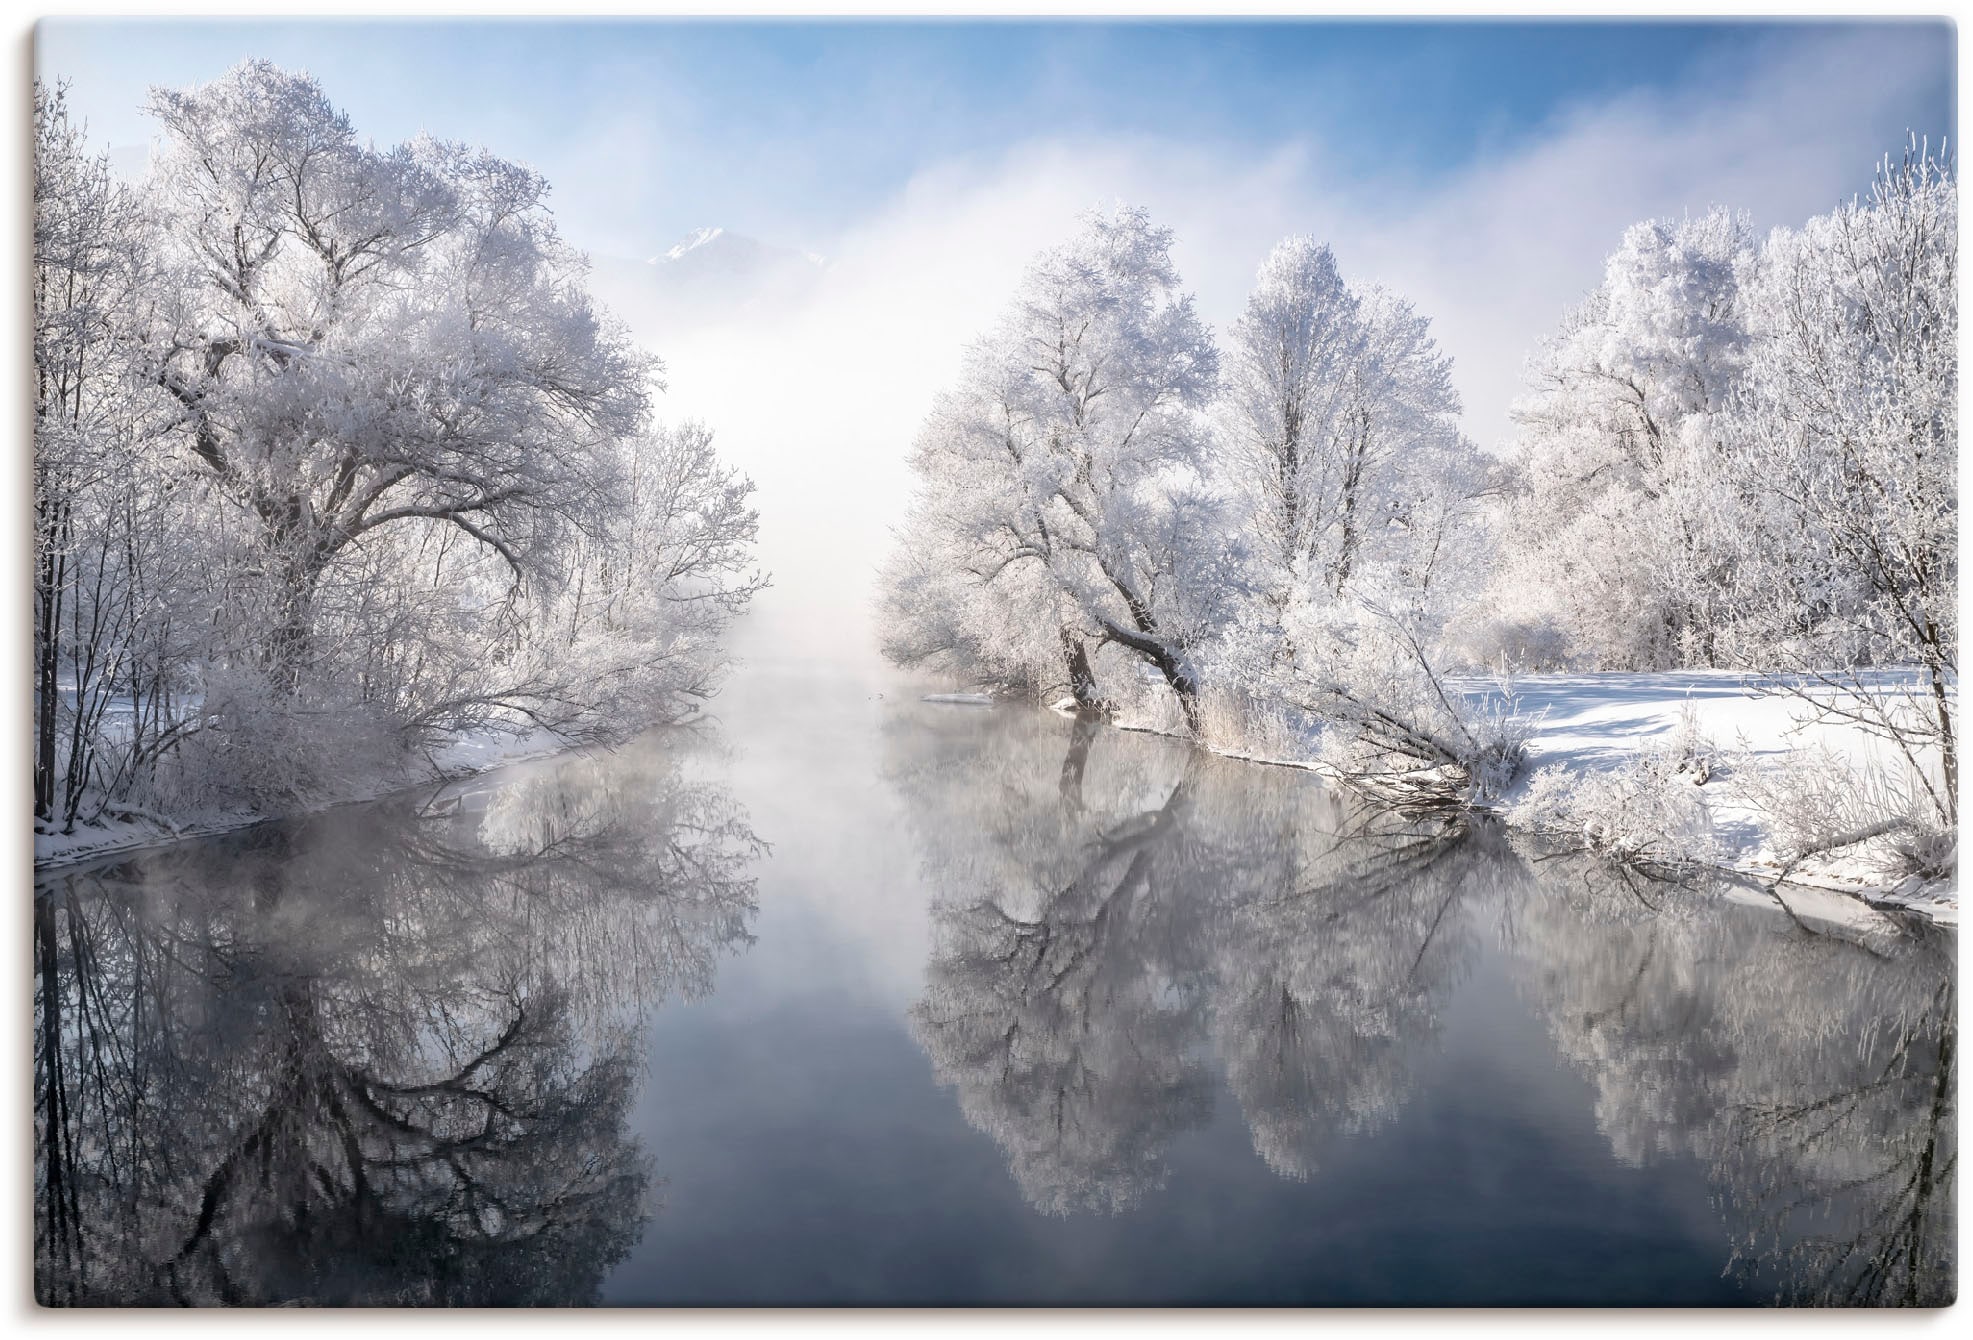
(1482, 171)
(792, 129)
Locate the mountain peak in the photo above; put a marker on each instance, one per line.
(692, 241)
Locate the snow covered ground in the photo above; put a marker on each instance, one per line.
(1599, 720)
(463, 757)
(1589, 724)
(1592, 722)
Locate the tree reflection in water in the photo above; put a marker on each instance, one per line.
(383, 1055)
(1113, 910)
(1811, 1064)
(1104, 927)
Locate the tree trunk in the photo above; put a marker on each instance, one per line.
(1352, 488)
(289, 641)
(1082, 679)
(1187, 691)
(49, 581)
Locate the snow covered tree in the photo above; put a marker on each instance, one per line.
(1608, 541)
(331, 441)
(1343, 437)
(107, 566)
(1293, 359)
(1845, 422)
(1058, 501)
(1347, 467)
(361, 339)
(651, 590)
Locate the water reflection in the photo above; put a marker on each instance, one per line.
(1811, 1065)
(1120, 923)
(384, 1055)
(1104, 929)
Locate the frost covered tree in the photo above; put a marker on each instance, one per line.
(1289, 374)
(653, 584)
(108, 612)
(1342, 434)
(1845, 419)
(362, 338)
(1610, 550)
(83, 244)
(1348, 470)
(1059, 508)
(331, 441)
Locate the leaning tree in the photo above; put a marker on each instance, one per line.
(1057, 482)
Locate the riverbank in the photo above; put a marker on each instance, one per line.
(1594, 733)
(466, 756)
(1601, 724)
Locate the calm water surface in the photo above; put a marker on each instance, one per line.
(850, 998)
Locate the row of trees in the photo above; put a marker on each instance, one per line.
(1735, 453)
(335, 458)
(1104, 497)
(1742, 453)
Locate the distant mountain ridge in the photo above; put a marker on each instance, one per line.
(711, 276)
(698, 237)
(714, 247)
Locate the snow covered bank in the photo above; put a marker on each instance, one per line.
(133, 829)
(1711, 733)
(1592, 736)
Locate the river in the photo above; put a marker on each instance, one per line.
(845, 997)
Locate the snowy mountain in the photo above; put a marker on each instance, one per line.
(692, 241)
(729, 263)
(708, 277)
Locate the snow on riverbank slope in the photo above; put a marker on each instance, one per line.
(1592, 722)
(462, 757)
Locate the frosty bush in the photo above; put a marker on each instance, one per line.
(255, 747)
(1479, 637)
(1649, 812)
(1820, 803)
(1239, 722)
(1691, 752)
